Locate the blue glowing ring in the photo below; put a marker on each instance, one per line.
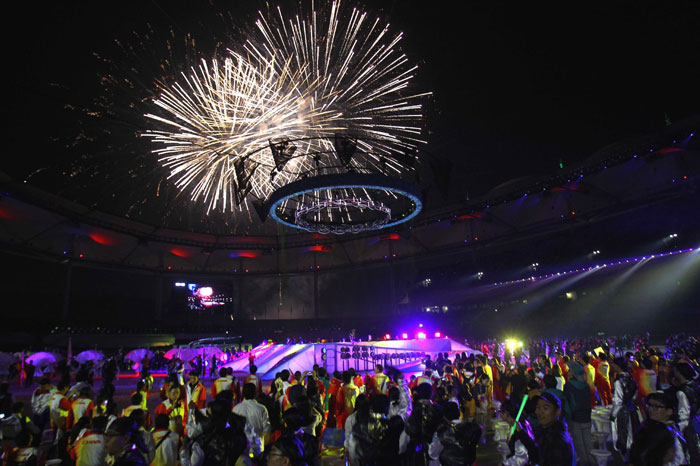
(346, 181)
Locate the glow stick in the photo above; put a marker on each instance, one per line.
(517, 418)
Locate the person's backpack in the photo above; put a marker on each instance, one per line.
(10, 427)
(629, 388)
(459, 443)
(370, 438)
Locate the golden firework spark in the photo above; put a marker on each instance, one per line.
(303, 80)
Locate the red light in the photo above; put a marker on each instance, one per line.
(573, 212)
(438, 334)
(421, 335)
(404, 336)
(476, 238)
(245, 253)
(179, 252)
(668, 150)
(475, 215)
(102, 239)
(387, 337)
(170, 268)
(246, 270)
(81, 256)
(6, 214)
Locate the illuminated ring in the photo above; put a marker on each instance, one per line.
(401, 189)
(356, 203)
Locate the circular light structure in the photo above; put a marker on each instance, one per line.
(345, 203)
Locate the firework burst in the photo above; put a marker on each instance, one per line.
(301, 80)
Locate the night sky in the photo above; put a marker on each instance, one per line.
(517, 87)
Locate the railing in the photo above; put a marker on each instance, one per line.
(342, 356)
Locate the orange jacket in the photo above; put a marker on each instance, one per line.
(79, 408)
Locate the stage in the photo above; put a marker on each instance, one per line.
(406, 355)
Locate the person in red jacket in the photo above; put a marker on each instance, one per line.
(602, 379)
(345, 400)
(174, 408)
(333, 388)
(171, 382)
(356, 379)
(563, 363)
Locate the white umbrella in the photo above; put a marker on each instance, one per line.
(89, 355)
(186, 354)
(138, 354)
(41, 359)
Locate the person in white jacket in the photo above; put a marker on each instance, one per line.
(165, 442)
(257, 419)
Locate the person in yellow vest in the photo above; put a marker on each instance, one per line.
(174, 408)
(82, 406)
(589, 372)
(379, 382)
(136, 399)
(59, 406)
(142, 388)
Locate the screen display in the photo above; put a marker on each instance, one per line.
(206, 296)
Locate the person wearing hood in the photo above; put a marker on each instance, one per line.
(555, 445)
(578, 393)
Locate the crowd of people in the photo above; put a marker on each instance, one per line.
(437, 417)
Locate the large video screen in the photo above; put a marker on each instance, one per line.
(205, 296)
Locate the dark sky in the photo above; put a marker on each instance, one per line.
(517, 85)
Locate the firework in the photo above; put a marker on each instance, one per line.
(298, 82)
